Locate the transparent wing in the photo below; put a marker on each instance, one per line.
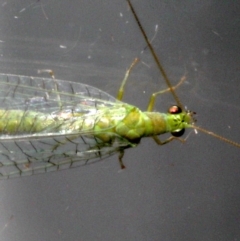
(48, 95)
(50, 150)
(32, 156)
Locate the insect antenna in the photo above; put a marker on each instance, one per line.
(233, 143)
(155, 56)
(170, 87)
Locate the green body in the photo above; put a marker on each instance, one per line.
(124, 120)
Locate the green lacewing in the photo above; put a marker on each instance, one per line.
(48, 124)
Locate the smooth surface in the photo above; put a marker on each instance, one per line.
(176, 192)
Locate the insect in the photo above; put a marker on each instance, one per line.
(49, 125)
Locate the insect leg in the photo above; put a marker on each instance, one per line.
(51, 73)
(171, 138)
(121, 153)
(121, 89)
(154, 95)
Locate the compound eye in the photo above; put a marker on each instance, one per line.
(178, 133)
(174, 110)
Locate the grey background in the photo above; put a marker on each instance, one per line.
(176, 192)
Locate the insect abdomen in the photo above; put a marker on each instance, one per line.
(14, 122)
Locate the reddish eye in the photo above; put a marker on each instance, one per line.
(174, 109)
